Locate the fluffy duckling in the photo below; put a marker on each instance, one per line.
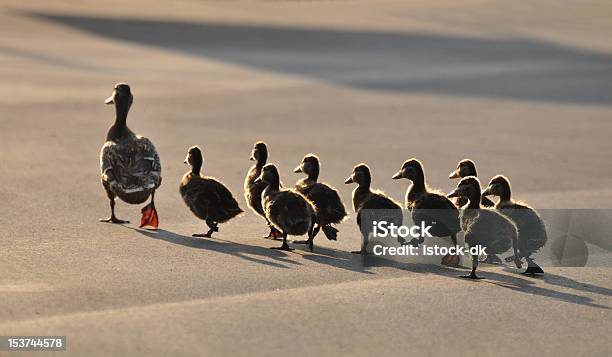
(206, 197)
(532, 232)
(465, 168)
(288, 210)
(483, 226)
(430, 206)
(253, 190)
(371, 201)
(129, 164)
(329, 207)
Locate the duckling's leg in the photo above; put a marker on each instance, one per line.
(532, 268)
(112, 218)
(308, 241)
(473, 275)
(285, 246)
(149, 214)
(311, 235)
(364, 244)
(213, 228)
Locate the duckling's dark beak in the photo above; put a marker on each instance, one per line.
(486, 191)
(454, 174)
(398, 175)
(110, 100)
(186, 161)
(454, 193)
(252, 158)
(297, 169)
(349, 180)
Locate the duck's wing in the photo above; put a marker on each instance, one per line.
(379, 207)
(131, 166)
(434, 207)
(327, 201)
(210, 198)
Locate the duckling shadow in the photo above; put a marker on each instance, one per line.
(569, 283)
(528, 287)
(361, 264)
(336, 258)
(240, 250)
(508, 281)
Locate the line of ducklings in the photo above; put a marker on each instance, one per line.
(131, 170)
(314, 206)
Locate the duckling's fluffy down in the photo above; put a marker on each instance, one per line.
(209, 199)
(289, 211)
(437, 210)
(253, 190)
(328, 205)
(489, 229)
(376, 206)
(531, 229)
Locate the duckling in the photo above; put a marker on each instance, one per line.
(430, 206)
(465, 168)
(129, 164)
(206, 197)
(253, 190)
(371, 205)
(532, 232)
(483, 226)
(329, 206)
(288, 210)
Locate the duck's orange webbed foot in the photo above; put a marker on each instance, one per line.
(149, 216)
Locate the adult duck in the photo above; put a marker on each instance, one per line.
(430, 206)
(371, 205)
(205, 196)
(253, 190)
(531, 229)
(129, 164)
(288, 210)
(329, 207)
(483, 226)
(465, 168)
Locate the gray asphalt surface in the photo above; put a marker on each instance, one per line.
(523, 89)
